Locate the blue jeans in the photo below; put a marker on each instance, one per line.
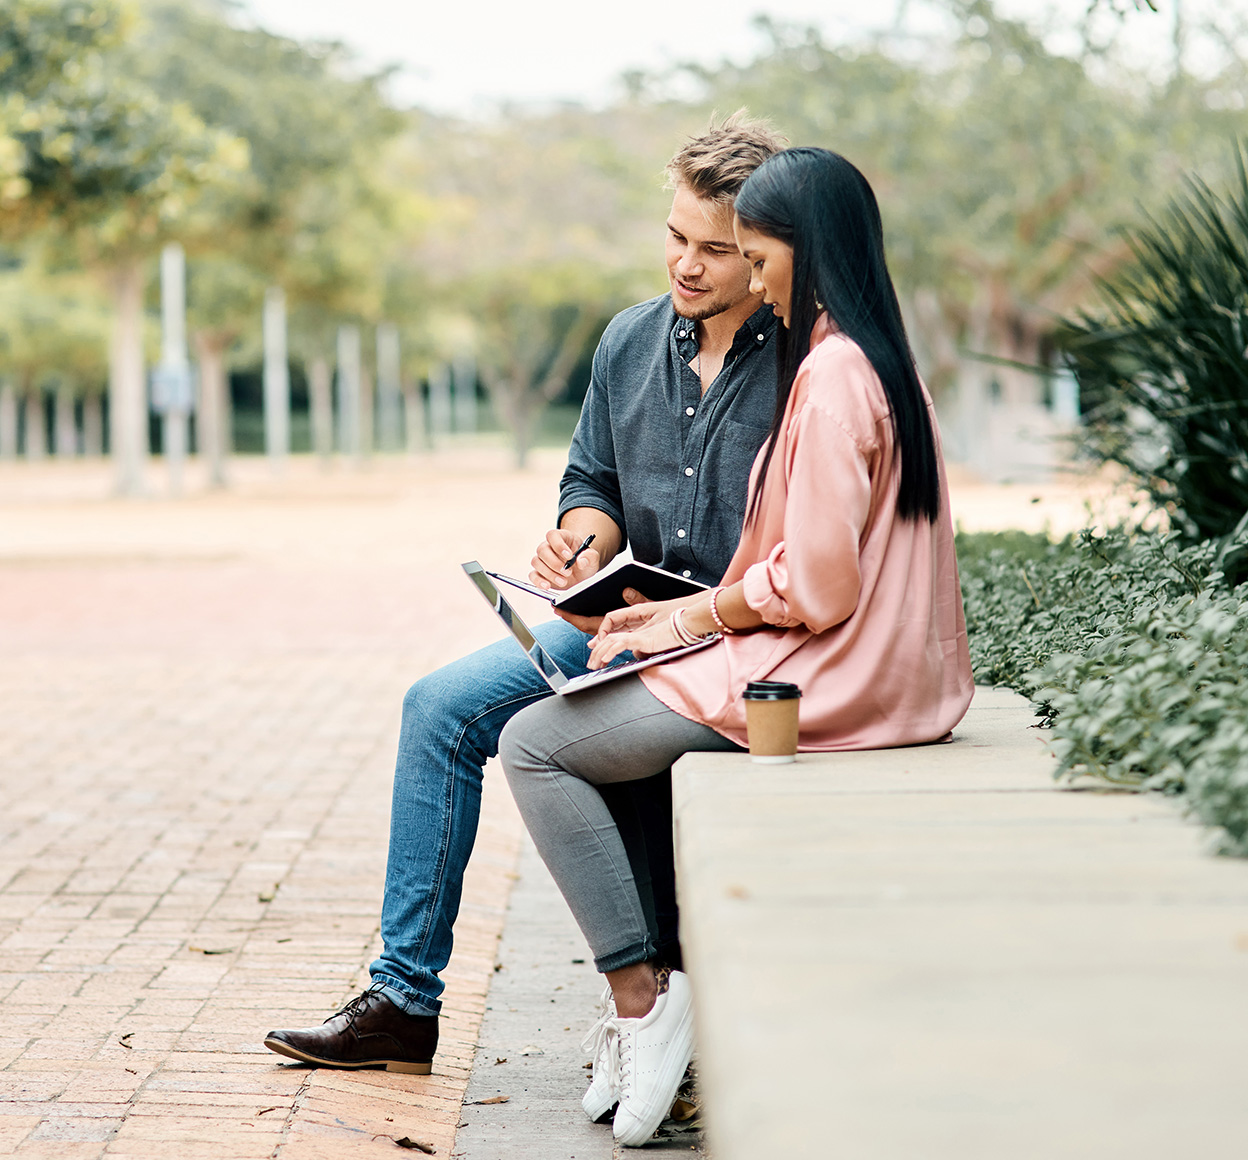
(451, 723)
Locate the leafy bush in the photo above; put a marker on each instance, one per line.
(1135, 651)
(1027, 599)
(1163, 368)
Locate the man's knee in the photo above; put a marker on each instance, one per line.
(446, 698)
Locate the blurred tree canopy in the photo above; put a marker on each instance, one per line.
(1003, 169)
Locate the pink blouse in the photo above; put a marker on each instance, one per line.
(866, 607)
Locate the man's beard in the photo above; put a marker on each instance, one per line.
(701, 312)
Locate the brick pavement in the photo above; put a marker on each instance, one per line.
(198, 706)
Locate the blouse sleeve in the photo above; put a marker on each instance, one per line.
(811, 577)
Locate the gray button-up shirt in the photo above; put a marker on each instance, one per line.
(669, 464)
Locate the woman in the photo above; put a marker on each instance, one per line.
(845, 583)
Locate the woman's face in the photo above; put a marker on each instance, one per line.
(771, 267)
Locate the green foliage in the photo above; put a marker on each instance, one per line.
(310, 212)
(1002, 167)
(1134, 649)
(53, 328)
(100, 157)
(1164, 363)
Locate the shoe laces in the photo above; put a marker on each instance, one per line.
(601, 1031)
(621, 1066)
(356, 1006)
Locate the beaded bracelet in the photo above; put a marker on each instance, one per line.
(719, 620)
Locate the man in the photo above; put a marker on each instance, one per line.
(681, 397)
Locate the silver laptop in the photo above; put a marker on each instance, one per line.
(542, 661)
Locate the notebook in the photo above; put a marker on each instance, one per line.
(603, 592)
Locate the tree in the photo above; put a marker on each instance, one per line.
(542, 224)
(1002, 169)
(310, 213)
(53, 335)
(107, 167)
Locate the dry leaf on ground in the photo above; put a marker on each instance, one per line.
(416, 1145)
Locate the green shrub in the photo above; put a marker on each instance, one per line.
(1027, 599)
(1134, 650)
(1163, 367)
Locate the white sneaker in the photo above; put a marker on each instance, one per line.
(653, 1054)
(600, 1043)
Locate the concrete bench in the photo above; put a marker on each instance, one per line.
(915, 954)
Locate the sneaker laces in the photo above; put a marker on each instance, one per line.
(602, 1037)
(621, 1067)
(600, 1032)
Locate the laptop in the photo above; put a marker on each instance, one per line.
(543, 662)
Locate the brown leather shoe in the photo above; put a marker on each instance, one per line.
(370, 1031)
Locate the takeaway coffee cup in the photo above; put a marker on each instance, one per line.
(771, 721)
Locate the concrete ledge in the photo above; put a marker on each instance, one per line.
(936, 952)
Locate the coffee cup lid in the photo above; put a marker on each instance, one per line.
(771, 691)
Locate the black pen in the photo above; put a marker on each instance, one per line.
(572, 560)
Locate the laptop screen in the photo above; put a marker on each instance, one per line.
(542, 660)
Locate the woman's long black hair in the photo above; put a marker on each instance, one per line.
(818, 203)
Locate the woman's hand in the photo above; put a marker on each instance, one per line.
(644, 630)
(658, 636)
(641, 613)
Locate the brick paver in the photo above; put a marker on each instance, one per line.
(198, 708)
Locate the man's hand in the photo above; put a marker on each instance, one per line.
(592, 624)
(556, 550)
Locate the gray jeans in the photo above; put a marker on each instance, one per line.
(555, 753)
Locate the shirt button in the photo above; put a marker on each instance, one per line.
(688, 470)
(686, 573)
(688, 410)
(761, 337)
(680, 533)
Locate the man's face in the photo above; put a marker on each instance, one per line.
(705, 268)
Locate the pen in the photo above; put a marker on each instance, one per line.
(572, 560)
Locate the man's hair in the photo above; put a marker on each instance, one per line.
(715, 165)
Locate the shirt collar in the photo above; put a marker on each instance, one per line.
(756, 330)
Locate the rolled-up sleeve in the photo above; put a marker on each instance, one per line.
(811, 576)
(591, 478)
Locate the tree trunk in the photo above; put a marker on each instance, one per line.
(389, 388)
(214, 405)
(366, 414)
(276, 379)
(66, 429)
(8, 421)
(522, 440)
(414, 419)
(464, 378)
(321, 400)
(127, 396)
(439, 401)
(520, 414)
(36, 422)
(92, 426)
